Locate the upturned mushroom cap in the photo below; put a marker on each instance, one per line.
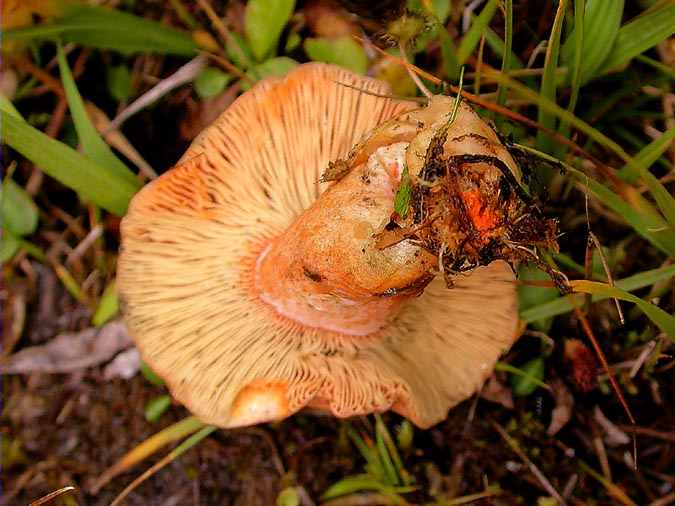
(191, 241)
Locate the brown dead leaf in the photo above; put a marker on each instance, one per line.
(70, 352)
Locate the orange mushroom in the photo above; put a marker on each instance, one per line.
(255, 290)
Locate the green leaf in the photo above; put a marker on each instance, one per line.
(566, 304)
(530, 296)
(264, 22)
(548, 81)
(66, 165)
(18, 212)
(278, 67)
(478, 27)
(211, 82)
(507, 50)
(529, 377)
(104, 28)
(288, 497)
(648, 155)
(118, 79)
(108, 306)
(640, 34)
(602, 20)
(156, 407)
(403, 194)
(657, 315)
(92, 143)
(343, 51)
(664, 199)
(390, 474)
(360, 483)
(9, 245)
(151, 375)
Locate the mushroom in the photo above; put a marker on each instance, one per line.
(256, 290)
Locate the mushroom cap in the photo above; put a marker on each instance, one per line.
(191, 240)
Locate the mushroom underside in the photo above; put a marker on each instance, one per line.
(191, 241)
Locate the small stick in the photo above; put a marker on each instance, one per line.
(513, 444)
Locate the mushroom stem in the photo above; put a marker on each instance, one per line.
(325, 271)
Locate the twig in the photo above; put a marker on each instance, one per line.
(513, 444)
(183, 75)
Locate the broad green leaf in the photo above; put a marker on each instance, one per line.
(602, 20)
(9, 245)
(108, 306)
(640, 34)
(66, 165)
(565, 304)
(278, 67)
(211, 82)
(156, 407)
(548, 81)
(109, 29)
(238, 51)
(478, 26)
(648, 155)
(343, 51)
(118, 79)
(92, 143)
(264, 22)
(18, 212)
(657, 315)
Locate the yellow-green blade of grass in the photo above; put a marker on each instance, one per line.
(566, 304)
(602, 20)
(506, 53)
(390, 475)
(575, 84)
(105, 28)
(648, 155)
(472, 37)
(148, 447)
(663, 198)
(657, 315)
(92, 143)
(108, 306)
(548, 81)
(640, 34)
(67, 166)
(361, 483)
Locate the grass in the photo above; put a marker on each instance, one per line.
(616, 182)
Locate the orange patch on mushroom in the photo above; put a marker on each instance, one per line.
(482, 217)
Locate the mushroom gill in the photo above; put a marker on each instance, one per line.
(254, 290)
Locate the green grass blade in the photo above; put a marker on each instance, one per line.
(451, 65)
(472, 37)
(18, 212)
(66, 165)
(648, 155)
(640, 34)
(360, 483)
(664, 69)
(374, 465)
(663, 198)
(390, 475)
(657, 315)
(564, 304)
(638, 214)
(104, 28)
(575, 85)
(548, 81)
(506, 52)
(92, 143)
(497, 45)
(602, 20)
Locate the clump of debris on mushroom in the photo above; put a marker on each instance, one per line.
(291, 259)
